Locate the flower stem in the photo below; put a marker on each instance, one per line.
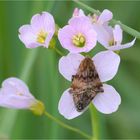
(126, 28)
(67, 126)
(87, 7)
(58, 51)
(94, 122)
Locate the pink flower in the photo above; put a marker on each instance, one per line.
(78, 36)
(106, 64)
(15, 94)
(78, 12)
(111, 38)
(107, 36)
(39, 32)
(103, 18)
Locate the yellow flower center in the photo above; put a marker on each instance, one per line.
(41, 37)
(112, 42)
(19, 93)
(94, 18)
(78, 40)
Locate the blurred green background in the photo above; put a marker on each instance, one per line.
(47, 84)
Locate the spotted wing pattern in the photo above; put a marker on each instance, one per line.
(85, 84)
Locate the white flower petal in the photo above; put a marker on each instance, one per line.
(103, 35)
(66, 106)
(108, 101)
(48, 39)
(15, 94)
(117, 32)
(28, 37)
(78, 12)
(105, 16)
(79, 21)
(69, 64)
(106, 63)
(15, 84)
(81, 12)
(64, 36)
(121, 46)
(43, 21)
(15, 101)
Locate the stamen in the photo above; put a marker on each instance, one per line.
(112, 42)
(94, 18)
(41, 37)
(78, 40)
(20, 94)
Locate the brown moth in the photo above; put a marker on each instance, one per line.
(85, 84)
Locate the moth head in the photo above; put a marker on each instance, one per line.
(80, 106)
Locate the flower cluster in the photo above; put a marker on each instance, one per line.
(81, 34)
(106, 63)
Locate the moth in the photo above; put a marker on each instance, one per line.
(85, 84)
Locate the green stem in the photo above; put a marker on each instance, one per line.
(58, 51)
(87, 7)
(126, 28)
(67, 126)
(94, 122)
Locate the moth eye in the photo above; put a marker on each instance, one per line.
(80, 106)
